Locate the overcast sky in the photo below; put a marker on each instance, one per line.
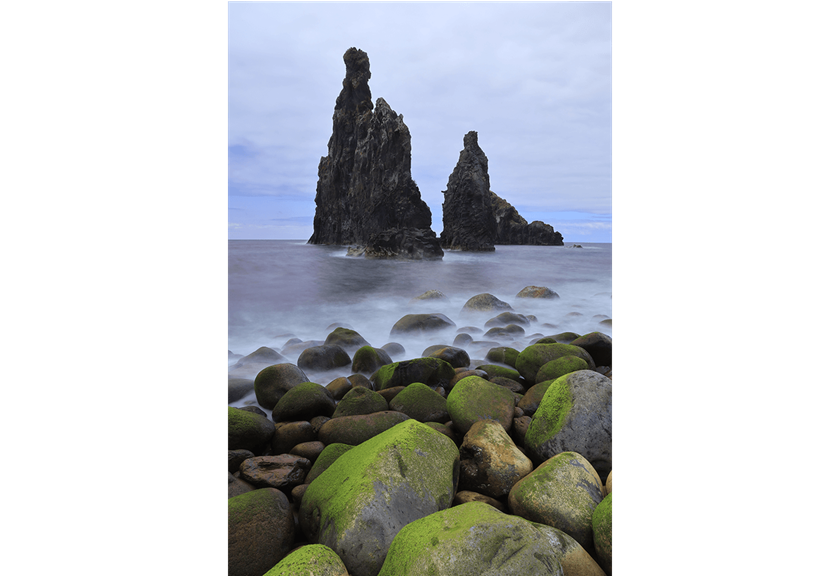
(533, 79)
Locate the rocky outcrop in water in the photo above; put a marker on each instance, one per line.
(468, 215)
(511, 228)
(364, 183)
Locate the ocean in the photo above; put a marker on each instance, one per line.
(284, 289)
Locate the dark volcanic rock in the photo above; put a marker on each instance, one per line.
(404, 243)
(364, 182)
(511, 228)
(468, 211)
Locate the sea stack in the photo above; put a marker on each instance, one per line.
(468, 219)
(365, 193)
(511, 228)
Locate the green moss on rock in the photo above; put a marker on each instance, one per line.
(551, 413)
(602, 531)
(312, 559)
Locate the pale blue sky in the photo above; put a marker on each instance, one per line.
(533, 79)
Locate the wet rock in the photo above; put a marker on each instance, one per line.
(237, 486)
(455, 357)
(490, 461)
(561, 492)
(308, 450)
(261, 531)
(354, 430)
(421, 324)
(495, 371)
(602, 533)
(506, 318)
(404, 244)
(485, 302)
(537, 292)
(287, 435)
(394, 349)
(532, 358)
(473, 399)
(575, 415)
(360, 401)
(364, 498)
(368, 359)
(468, 218)
(598, 345)
(503, 355)
(464, 496)
(421, 403)
(339, 387)
(510, 331)
(327, 456)
(310, 560)
(262, 356)
(476, 538)
(432, 295)
(514, 386)
(283, 471)
(274, 381)
(430, 371)
(346, 338)
(238, 388)
(236, 457)
(248, 431)
(560, 367)
(303, 402)
(464, 373)
(462, 340)
(323, 358)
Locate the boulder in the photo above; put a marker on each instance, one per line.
(354, 430)
(262, 356)
(530, 401)
(303, 402)
(339, 387)
(327, 456)
(309, 450)
(560, 367)
(464, 496)
(287, 435)
(608, 483)
(468, 219)
(283, 472)
(561, 492)
(485, 303)
(575, 415)
(261, 531)
(432, 295)
(310, 560)
(537, 292)
(395, 350)
(474, 398)
(237, 457)
(421, 324)
(346, 338)
(494, 370)
(532, 358)
(274, 381)
(455, 357)
(490, 461)
(237, 486)
(368, 359)
(602, 533)
(511, 331)
(503, 355)
(476, 538)
(238, 388)
(421, 403)
(364, 183)
(360, 401)
(430, 371)
(248, 431)
(368, 494)
(598, 345)
(506, 318)
(323, 358)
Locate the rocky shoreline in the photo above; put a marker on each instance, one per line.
(490, 453)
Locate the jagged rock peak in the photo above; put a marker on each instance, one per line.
(468, 220)
(364, 183)
(512, 228)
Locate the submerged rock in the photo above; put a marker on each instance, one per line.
(404, 244)
(468, 219)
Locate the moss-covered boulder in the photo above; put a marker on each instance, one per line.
(494, 370)
(474, 398)
(537, 292)
(575, 415)
(455, 357)
(432, 372)
(346, 338)
(431, 295)
(261, 530)
(323, 358)
(274, 381)
(338, 387)
(476, 538)
(357, 429)
(303, 402)
(561, 492)
(248, 431)
(421, 324)
(284, 471)
(256, 360)
(560, 367)
(503, 355)
(310, 560)
(599, 346)
(327, 456)
(368, 494)
(506, 318)
(485, 302)
(490, 462)
(421, 403)
(509, 332)
(368, 359)
(360, 401)
(602, 533)
(533, 357)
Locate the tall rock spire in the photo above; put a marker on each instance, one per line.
(364, 183)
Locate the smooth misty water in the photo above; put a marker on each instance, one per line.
(282, 289)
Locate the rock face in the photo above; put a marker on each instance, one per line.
(364, 182)
(468, 211)
(511, 228)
